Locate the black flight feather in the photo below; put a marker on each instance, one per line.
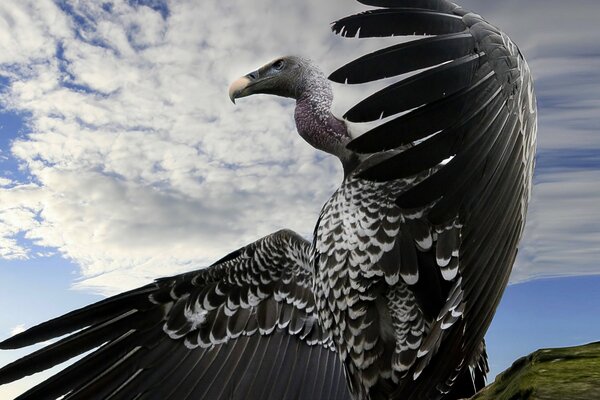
(390, 22)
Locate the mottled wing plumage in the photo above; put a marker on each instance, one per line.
(243, 328)
(257, 289)
(464, 130)
(410, 326)
(366, 258)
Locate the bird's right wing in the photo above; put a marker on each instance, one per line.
(244, 328)
(464, 124)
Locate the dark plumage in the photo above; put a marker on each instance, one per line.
(409, 259)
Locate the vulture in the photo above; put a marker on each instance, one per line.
(409, 258)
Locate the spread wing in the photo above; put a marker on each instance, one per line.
(468, 122)
(244, 328)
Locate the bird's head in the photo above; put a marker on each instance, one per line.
(284, 76)
(300, 79)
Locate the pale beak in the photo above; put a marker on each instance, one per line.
(237, 88)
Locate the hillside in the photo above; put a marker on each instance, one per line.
(571, 373)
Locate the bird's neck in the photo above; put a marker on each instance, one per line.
(318, 126)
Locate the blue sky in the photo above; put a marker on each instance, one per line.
(122, 159)
(544, 313)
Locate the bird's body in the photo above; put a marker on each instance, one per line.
(361, 301)
(409, 258)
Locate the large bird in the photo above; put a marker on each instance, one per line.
(409, 259)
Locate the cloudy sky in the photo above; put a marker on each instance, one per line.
(122, 158)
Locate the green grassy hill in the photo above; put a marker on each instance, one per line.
(571, 373)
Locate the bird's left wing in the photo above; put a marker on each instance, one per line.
(243, 328)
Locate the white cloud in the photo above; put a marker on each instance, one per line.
(143, 168)
(18, 213)
(564, 227)
(17, 329)
(28, 30)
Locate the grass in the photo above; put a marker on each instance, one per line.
(571, 373)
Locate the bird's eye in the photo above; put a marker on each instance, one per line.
(278, 65)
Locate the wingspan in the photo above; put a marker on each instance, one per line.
(469, 121)
(244, 328)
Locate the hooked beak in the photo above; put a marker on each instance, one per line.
(241, 86)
